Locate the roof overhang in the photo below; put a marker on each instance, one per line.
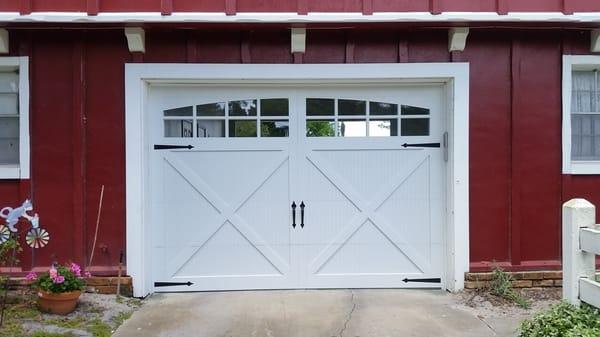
(295, 18)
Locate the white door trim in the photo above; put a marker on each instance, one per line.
(139, 76)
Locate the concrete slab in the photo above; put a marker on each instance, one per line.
(309, 313)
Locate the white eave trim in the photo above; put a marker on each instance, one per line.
(246, 17)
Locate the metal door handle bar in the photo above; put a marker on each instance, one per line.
(302, 214)
(293, 214)
(421, 145)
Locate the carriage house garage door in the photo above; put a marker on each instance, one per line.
(274, 187)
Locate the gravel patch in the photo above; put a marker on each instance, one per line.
(95, 316)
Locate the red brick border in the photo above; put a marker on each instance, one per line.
(522, 279)
(95, 284)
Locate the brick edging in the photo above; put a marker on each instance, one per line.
(94, 284)
(521, 279)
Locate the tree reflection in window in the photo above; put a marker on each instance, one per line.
(320, 128)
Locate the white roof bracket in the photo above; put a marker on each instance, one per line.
(136, 39)
(457, 38)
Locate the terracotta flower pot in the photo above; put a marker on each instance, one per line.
(58, 303)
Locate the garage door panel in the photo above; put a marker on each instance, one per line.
(408, 209)
(190, 219)
(371, 252)
(267, 210)
(233, 175)
(226, 253)
(328, 209)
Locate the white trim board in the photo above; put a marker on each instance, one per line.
(313, 17)
(455, 75)
(570, 63)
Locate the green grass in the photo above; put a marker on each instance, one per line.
(122, 317)
(68, 323)
(52, 334)
(98, 328)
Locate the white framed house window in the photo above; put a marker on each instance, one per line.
(581, 114)
(14, 118)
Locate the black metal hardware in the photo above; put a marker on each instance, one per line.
(172, 284)
(423, 280)
(302, 214)
(293, 214)
(169, 147)
(421, 145)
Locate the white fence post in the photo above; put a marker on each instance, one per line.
(576, 214)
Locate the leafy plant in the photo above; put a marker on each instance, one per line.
(59, 279)
(563, 320)
(6, 252)
(501, 285)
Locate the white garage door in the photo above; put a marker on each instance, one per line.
(264, 187)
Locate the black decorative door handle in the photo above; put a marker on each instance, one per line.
(302, 214)
(421, 145)
(293, 214)
(171, 147)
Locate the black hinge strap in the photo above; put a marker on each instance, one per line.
(421, 145)
(169, 147)
(423, 280)
(172, 284)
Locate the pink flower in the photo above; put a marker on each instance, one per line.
(59, 279)
(76, 269)
(53, 273)
(31, 276)
(87, 274)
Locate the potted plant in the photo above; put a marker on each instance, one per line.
(59, 288)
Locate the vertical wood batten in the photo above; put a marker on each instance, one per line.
(79, 149)
(302, 7)
(92, 7)
(191, 49)
(402, 50)
(367, 7)
(24, 7)
(515, 176)
(502, 7)
(435, 7)
(166, 7)
(26, 185)
(567, 7)
(230, 7)
(350, 47)
(298, 58)
(245, 48)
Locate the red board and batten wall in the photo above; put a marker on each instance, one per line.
(77, 112)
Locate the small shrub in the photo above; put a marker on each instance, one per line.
(563, 320)
(501, 285)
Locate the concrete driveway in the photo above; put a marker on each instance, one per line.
(310, 313)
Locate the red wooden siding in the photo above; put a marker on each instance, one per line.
(77, 119)
(301, 6)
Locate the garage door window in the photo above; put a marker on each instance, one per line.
(331, 117)
(267, 117)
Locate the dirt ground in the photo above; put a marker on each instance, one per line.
(95, 316)
(484, 303)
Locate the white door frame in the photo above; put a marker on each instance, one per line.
(137, 146)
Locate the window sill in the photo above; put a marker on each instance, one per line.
(10, 172)
(582, 167)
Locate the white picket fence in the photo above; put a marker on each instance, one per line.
(580, 245)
